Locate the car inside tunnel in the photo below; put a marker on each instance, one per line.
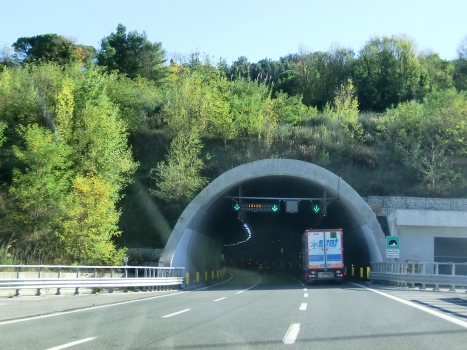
(259, 211)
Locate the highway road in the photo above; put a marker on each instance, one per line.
(247, 311)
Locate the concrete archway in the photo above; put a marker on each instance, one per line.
(195, 244)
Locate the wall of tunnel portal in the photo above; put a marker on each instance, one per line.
(209, 228)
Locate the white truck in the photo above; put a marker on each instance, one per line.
(323, 255)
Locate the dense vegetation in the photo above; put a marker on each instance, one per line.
(102, 149)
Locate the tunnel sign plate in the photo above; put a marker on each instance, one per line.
(392, 247)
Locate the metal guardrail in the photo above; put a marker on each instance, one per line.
(91, 277)
(415, 273)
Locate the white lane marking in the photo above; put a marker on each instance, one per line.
(221, 299)
(420, 307)
(176, 313)
(67, 345)
(302, 307)
(253, 286)
(305, 295)
(305, 289)
(87, 309)
(108, 305)
(291, 334)
(213, 285)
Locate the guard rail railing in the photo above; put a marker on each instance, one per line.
(415, 273)
(17, 277)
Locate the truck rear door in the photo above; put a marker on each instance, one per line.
(333, 251)
(315, 244)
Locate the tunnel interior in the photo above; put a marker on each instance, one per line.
(276, 236)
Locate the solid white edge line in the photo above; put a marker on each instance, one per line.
(108, 305)
(420, 307)
(302, 307)
(88, 309)
(221, 299)
(291, 334)
(305, 295)
(67, 345)
(231, 276)
(253, 286)
(176, 313)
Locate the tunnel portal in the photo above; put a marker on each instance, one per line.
(244, 215)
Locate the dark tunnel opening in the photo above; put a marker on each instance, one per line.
(276, 236)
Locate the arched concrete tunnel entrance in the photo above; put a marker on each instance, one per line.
(209, 227)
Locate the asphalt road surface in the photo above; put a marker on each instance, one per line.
(246, 311)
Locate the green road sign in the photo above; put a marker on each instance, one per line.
(392, 242)
(316, 209)
(274, 208)
(236, 207)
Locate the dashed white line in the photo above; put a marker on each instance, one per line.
(305, 289)
(302, 307)
(220, 299)
(67, 345)
(176, 313)
(305, 295)
(291, 334)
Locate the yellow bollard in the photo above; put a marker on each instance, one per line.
(187, 278)
(205, 276)
(217, 273)
(212, 275)
(345, 271)
(368, 273)
(361, 272)
(352, 271)
(197, 277)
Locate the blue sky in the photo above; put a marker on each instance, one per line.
(256, 28)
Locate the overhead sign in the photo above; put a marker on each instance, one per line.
(270, 207)
(392, 246)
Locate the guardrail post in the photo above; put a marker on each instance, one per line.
(17, 277)
(111, 290)
(94, 289)
(422, 266)
(125, 290)
(436, 272)
(77, 276)
(136, 273)
(453, 273)
(39, 276)
(58, 276)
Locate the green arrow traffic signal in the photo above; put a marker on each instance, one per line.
(237, 207)
(316, 208)
(275, 208)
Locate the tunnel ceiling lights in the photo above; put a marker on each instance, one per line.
(247, 228)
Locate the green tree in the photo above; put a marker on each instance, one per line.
(178, 177)
(39, 188)
(435, 74)
(386, 72)
(52, 48)
(90, 222)
(132, 54)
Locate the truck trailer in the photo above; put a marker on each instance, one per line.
(323, 255)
